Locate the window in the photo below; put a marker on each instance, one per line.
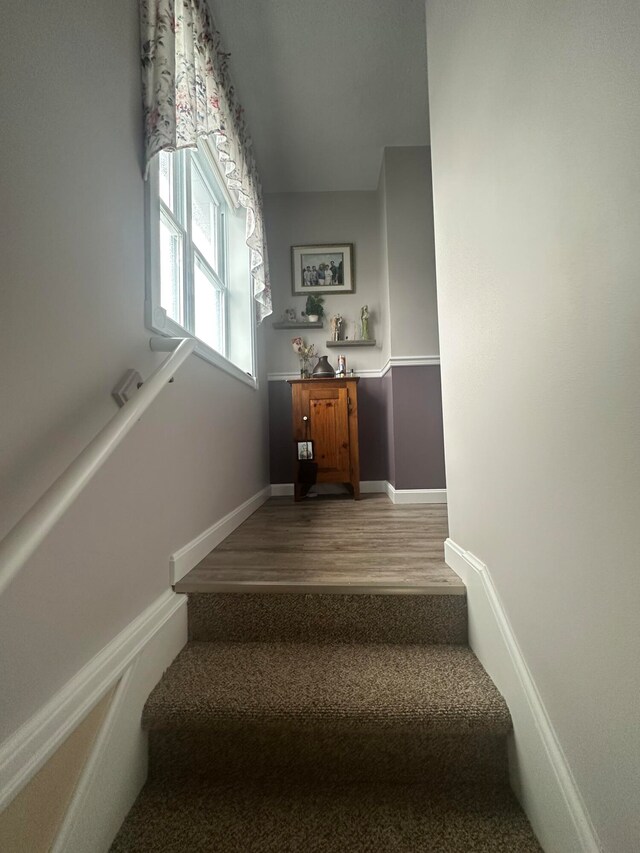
(198, 276)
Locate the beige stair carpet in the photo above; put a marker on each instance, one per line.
(323, 723)
(366, 818)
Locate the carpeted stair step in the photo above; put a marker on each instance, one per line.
(340, 618)
(330, 711)
(365, 818)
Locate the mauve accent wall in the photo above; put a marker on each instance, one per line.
(418, 439)
(372, 429)
(387, 386)
(400, 429)
(372, 421)
(280, 438)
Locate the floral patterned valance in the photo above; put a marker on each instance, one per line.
(188, 94)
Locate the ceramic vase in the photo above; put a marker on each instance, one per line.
(323, 368)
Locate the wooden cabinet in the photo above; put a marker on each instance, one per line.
(325, 411)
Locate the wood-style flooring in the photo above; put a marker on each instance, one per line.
(332, 544)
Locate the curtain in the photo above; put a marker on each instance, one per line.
(188, 94)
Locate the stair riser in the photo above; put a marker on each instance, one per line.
(251, 617)
(329, 755)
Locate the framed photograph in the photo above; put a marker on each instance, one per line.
(305, 450)
(322, 269)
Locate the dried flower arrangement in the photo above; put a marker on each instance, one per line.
(305, 353)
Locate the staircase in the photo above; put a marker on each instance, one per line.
(326, 723)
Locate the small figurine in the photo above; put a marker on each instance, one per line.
(336, 326)
(364, 316)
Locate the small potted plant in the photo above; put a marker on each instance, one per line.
(314, 307)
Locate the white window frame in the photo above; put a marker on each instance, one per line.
(156, 317)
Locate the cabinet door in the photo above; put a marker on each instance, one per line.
(328, 412)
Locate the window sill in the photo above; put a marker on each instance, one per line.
(173, 330)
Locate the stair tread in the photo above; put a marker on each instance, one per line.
(441, 687)
(361, 818)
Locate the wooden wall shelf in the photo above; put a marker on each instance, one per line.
(351, 343)
(298, 325)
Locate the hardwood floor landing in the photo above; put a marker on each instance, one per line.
(332, 544)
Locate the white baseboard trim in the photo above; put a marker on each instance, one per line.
(27, 750)
(410, 361)
(540, 773)
(118, 759)
(398, 496)
(190, 554)
(373, 487)
(64, 840)
(416, 496)
(279, 490)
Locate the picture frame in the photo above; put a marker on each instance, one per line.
(305, 451)
(322, 268)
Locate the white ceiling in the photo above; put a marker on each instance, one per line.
(326, 84)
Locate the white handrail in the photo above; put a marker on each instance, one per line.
(23, 539)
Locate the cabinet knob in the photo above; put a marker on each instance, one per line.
(305, 418)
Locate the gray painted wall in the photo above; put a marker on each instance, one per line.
(535, 121)
(392, 230)
(407, 230)
(384, 263)
(306, 218)
(72, 249)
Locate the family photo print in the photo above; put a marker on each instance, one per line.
(322, 269)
